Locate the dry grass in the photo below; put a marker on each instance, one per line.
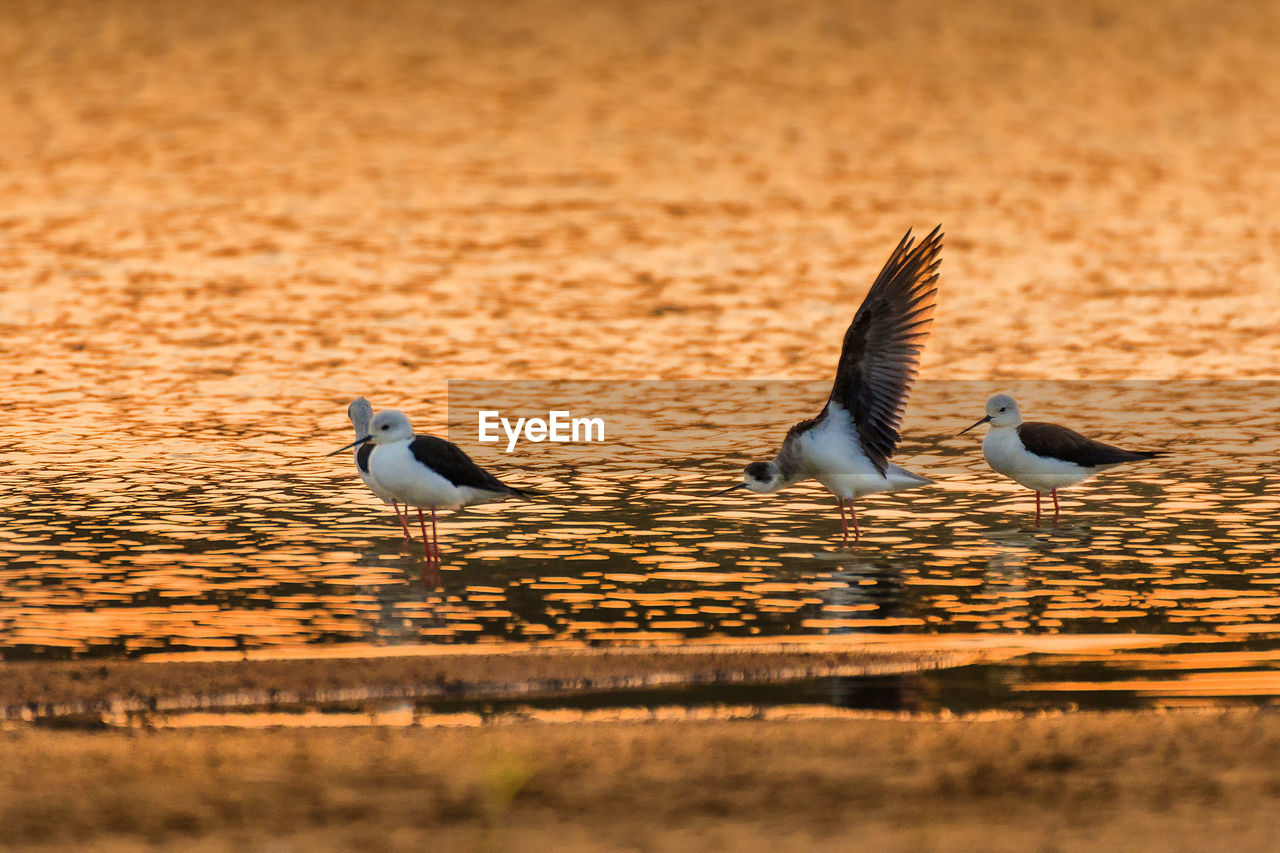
(1117, 781)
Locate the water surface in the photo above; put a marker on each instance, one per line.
(258, 540)
(223, 222)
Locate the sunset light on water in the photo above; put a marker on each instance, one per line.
(222, 223)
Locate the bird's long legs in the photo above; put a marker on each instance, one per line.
(1056, 509)
(853, 513)
(431, 560)
(433, 556)
(404, 520)
(435, 538)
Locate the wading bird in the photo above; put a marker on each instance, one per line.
(427, 473)
(1044, 457)
(847, 446)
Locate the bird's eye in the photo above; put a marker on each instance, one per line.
(386, 426)
(1002, 408)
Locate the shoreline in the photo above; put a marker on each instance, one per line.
(104, 689)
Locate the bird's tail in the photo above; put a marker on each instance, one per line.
(527, 494)
(901, 478)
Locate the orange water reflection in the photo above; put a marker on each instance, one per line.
(281, 547)
(213, 242)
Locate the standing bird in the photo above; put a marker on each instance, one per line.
(426, 472)
(1044, 457)
(847, 447)
(360, 412)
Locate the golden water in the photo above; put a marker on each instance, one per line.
(223, 222)
(120, 544)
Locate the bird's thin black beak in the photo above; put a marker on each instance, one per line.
(730, 489)
(360, 440)
(978, 424)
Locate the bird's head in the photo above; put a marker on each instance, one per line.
(390, 426)
(1002, 411)
(762, 477)
(360, 412)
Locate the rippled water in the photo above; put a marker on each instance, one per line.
(127, 544)
(214, 241)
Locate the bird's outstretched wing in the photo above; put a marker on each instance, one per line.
(883, 344)
(451, 462)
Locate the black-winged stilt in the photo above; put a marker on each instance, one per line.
(847, 446)
(1044, 457)
(426, 472)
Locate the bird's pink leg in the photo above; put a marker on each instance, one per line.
(426, 540)
(843, 524)
(1037, 507)
(435, 537)
(1055, 504)
(853, 514)
(403, 519)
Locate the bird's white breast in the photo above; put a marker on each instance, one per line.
(832, 455)
(398, 471)
(1005, 453)
(374, 486)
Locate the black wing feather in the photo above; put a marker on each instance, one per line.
(451, 462)
(1057, 442)
(362, 457)
(882, 346)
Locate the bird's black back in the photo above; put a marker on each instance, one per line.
(451, 462)
(1058, 442)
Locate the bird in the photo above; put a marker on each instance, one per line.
(426, 472)
(847, 446)
(360, 412)
(1044, 457)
